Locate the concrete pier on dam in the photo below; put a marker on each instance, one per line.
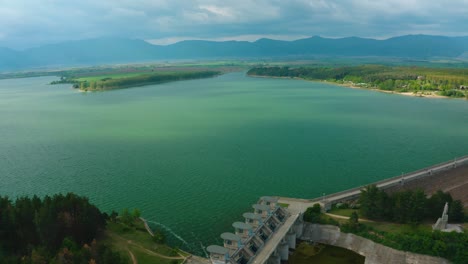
(269, 232)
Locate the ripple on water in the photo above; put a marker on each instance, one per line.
(193, 156)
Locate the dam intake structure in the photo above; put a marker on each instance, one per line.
(266, 235)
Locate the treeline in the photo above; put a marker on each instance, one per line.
(447, 82)
(409, 207)
(63, 80)
(144, 79)
(57, 229)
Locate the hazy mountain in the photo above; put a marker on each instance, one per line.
(105, 50)
(118, 50)
(10, 59)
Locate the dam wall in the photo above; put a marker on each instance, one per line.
(375, 253)
(328, 200)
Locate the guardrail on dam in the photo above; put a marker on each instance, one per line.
(353, 193)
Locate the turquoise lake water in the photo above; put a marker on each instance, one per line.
(194, 155)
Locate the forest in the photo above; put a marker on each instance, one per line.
(449, 82)
(408, 207)
(54, 229)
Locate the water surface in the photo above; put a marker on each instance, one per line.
(193, 155)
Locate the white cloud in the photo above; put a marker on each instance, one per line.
(223, 12)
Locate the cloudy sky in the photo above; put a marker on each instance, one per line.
(28, 23)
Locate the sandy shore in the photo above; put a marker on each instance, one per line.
(353, 86)
(430, 94)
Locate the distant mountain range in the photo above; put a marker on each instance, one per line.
(118, 50)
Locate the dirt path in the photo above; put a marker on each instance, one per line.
(148, 229)
(347, 217)
(150, 252)
(134, 260)
(147, 226)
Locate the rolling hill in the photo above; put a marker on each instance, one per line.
(120, 50)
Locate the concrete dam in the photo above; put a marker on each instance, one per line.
(270, 232)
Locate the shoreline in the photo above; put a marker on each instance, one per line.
(352, 86)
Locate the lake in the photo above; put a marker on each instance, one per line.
(194, 155)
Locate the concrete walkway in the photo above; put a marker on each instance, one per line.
(273, 242)
(192, 259)
(297, 206)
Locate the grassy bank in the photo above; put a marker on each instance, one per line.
(135, 242)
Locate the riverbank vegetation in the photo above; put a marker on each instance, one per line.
(124, 80)
(401, 220)
(450, 82)
(69, 229)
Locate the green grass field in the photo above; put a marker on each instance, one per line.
(96, 78)
(343, 212)
(137, 240)
(398, 228)
(380, 225)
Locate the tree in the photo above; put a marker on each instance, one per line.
(417, 210)
(353, 221)
(312, 214)
(159, 237)
(456, 211)
(113, 216)
(126, 217)
(136, 213)
(368, 200)
(50, 230)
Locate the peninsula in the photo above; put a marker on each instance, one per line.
(121, 78)
(417, 81)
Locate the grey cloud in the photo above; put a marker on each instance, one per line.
(25, 23)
